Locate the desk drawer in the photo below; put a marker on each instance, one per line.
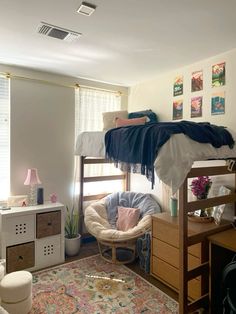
(167, 233)
(170, 276)
(170, 254)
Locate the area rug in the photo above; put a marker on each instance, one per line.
(94, 286)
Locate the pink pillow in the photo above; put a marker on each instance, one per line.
(127, 218)
(135, 121)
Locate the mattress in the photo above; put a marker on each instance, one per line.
(174, 160)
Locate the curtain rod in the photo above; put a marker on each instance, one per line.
(99, 89)
(75, 86)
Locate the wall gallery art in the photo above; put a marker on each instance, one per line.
(218, 74)
(178, 109)
(196, 107)
(178, 85)
(197, 81)
(218, 103)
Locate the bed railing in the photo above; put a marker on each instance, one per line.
(124, 177)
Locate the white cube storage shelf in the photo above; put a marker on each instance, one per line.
(32, 237)
(48, 250)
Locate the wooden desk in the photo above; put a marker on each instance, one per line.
(222, 249)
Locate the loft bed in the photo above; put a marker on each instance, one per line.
(173, 165)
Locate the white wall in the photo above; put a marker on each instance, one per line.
(157, 94)
(42, 129)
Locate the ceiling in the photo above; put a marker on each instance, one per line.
(124, 42)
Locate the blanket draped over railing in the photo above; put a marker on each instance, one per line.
(135, 148)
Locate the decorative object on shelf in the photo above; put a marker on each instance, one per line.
(72, 236)
(203, 219)
(53, 198)
(40, 196)
(200, 187)
(33, 180)
(17, 200)
(219, 210)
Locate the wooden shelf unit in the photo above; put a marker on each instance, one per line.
(186, 240)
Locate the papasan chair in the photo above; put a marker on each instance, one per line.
(117, 246)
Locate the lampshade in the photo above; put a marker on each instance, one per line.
(32, 177)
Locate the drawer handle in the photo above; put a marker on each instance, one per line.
(49, 223)
(20, 257)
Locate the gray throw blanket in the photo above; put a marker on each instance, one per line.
(144, 202)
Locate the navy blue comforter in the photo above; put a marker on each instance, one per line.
(140, 144)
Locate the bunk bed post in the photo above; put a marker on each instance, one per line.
(235, 192)
(127, 181)
(183, 248)
(81, 192)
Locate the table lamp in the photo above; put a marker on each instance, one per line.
(32, 179)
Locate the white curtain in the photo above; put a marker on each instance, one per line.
(89, 106)
(4, 138)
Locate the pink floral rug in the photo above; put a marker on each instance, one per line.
(93, 286)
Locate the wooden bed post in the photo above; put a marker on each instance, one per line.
(81, 193)
(183, 248)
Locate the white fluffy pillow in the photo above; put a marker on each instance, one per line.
(109, 118)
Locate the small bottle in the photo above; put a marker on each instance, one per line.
(40, 196)
(173, 206)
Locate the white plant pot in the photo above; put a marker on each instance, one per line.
(72, 246)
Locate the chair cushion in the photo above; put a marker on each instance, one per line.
(127, 218)
(145, 202)
(99, 226)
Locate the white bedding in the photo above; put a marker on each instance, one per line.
(175, 158)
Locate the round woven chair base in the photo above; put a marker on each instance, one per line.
(118, 253)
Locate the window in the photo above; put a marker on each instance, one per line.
(4, 138)
(89, 106)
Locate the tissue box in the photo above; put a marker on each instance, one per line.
(18, 200)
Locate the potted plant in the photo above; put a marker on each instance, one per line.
(72, 236)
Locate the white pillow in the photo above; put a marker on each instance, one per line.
(109, 118)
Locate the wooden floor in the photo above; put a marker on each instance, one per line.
(91, 248)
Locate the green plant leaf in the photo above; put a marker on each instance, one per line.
(71, 223)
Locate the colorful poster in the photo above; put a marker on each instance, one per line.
(196, 107)
(197, 81)
(218, 103)
(218, 74)
(178, 109)
(178, 85)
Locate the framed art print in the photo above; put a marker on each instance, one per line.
(197, 81)
(218, 74)
(196, 107)
(218, 103)
(178, 85)
(178, 109)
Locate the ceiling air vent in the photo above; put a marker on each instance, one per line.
(57, 32)
(86, 8)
